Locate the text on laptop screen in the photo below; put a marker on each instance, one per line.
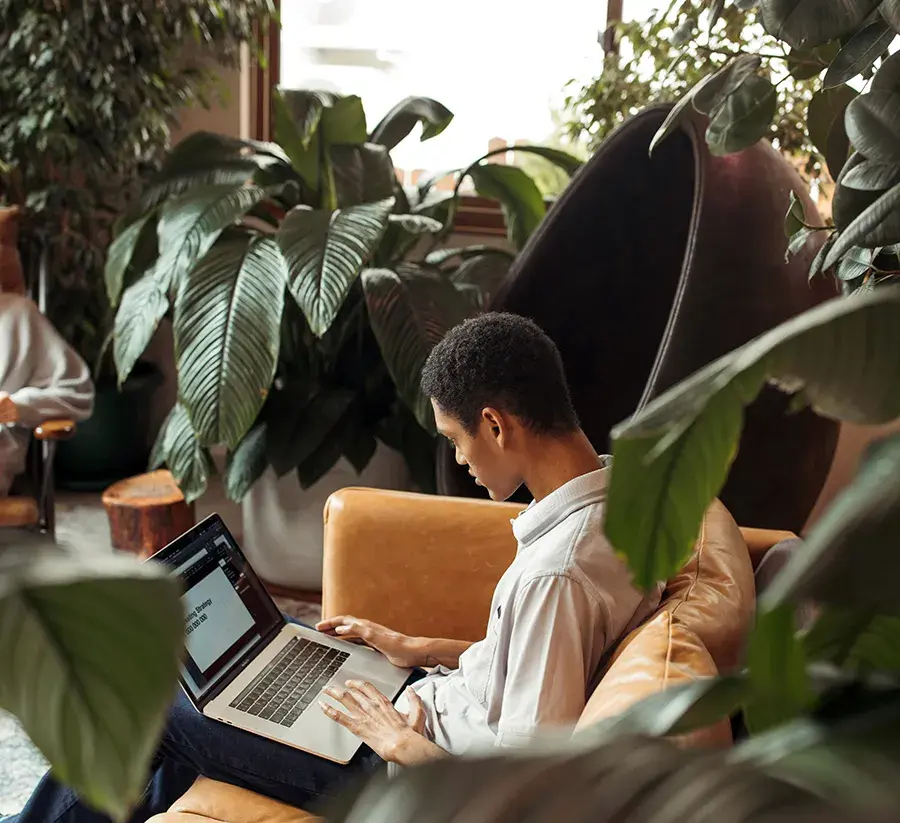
(227, 611)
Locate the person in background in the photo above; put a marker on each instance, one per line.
(41, 376)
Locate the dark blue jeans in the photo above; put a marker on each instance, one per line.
(193, 745)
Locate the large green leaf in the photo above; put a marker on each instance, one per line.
(708, 95)
(130, 254)
(304, 111)
(744, 118)
(855, 639)
(825, 124)
(483, 275)
(227, 332)
(859, 54)
(850, 202)
(143, 305)
(300, 145)
(520, 197)
(673, 456)
(877, 225)
(628, 780)
(873, 125)
(246, 463)
(90, 644)
(849, 558)
(207, 159)
(779, 689)
(190, 225)
(410, 311)
(709, 99)
(326, 252)
(803, 24)
(872, 176)
(569, 163)
(344, 122)
(178, 448)
(362, 174)
(441, 256)
(401, 120)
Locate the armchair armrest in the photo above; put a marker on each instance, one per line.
(420, 564)
(759, 541)
(55, 430)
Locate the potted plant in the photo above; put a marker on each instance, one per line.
(305, 289)
(88, 101)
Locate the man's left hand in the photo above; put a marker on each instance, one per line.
(393, 736)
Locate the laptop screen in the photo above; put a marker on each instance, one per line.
(227, 609)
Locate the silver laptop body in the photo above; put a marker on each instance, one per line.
(246, 665)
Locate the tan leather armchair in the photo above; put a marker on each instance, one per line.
(428, 565)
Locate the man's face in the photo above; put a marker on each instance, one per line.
(487, 452)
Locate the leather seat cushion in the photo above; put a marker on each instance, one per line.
(209, 801)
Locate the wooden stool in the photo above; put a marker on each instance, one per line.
(146, 512)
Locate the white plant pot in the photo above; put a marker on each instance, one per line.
(283, 524)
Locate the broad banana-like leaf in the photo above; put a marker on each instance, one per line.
(673, 456)
(130, 255)
(401, 120)
(247, 463)
(520, 197)
(190, 225)
(207, 159)
(410, 311)
(90, 644)
(227, 334)
(326, 252)
(569, 163)
(484, 275)
(178, 448)
(143, 305)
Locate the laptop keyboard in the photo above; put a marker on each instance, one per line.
(290, 683)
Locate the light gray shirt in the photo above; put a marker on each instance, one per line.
(562, 603)
(44, 376)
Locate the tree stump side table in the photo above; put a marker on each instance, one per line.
(146, 512)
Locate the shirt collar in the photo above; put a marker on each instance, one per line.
(582, 491)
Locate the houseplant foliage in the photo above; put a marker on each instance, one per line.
(843, 48)
(89, 93)
(304, 287)
(659, 59)
(89, 648)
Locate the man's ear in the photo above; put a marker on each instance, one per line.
(497, 424)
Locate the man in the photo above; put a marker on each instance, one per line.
(41, 378)
(500, 397)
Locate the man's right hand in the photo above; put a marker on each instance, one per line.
(399, 649)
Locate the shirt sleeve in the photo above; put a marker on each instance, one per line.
(57, 382)
(549, 656)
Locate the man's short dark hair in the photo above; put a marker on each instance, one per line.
(505, 361)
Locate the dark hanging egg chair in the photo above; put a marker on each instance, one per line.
(648, 268)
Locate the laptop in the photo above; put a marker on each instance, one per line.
(246, 665)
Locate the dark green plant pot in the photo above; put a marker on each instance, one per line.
(114, 443)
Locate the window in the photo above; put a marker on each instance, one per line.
(499, 66)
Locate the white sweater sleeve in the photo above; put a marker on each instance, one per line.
(43, 375)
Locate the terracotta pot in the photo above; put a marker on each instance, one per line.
(648, 268)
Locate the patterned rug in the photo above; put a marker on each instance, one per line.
(21, 765)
